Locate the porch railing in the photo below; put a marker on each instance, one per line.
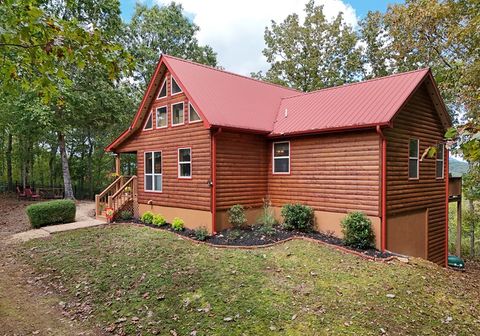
(119, 192)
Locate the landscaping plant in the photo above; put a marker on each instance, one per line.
(236, 216)
(297, 217)
(201, 233)
(158, 220)
(357, 231)
(51, 212)
(267, 217)
(147, 217)
(178, 224)
(126, 215)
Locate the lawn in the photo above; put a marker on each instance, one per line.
(137, 280)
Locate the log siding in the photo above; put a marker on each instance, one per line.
(241, 170)
(417, 120)
(192, 193)
(336, 172)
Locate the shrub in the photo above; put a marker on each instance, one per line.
(126, 215)
(51, 212)
(158, 220)
(267, 217)
(236, 216)
(147, 217)
(357, 230)
(297, 217)
(178, 224)
(201, 233)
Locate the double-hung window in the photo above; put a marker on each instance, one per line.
(439, 162)
(162, 117)
(281, 157)
(184, 163)
(413, 158)
(153, 171)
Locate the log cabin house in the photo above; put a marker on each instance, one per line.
(206, 139)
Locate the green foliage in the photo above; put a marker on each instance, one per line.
(178, 224)
(154, 30)
(236, 216)
(201, 233)
(357, 231)
(266, 229)
(147, 217)
(126, 215)
(267, 217)
(158, 220)
(51, 212)
(297, 217)
(312, 54)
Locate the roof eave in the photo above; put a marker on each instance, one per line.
(330, 130)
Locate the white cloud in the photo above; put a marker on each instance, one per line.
(235, 29)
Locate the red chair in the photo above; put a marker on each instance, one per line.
(20, 194)
(30, 194)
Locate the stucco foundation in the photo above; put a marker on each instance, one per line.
(193, 219)
(325, 222)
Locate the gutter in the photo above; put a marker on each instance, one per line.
(383, 189)
(213, 182)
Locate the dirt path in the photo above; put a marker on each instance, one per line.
(26, 307)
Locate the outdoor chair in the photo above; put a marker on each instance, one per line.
(30, 194)
(20, 194)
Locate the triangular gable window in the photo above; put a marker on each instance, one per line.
(193, 115)
(175, 88)
(149, 123)
(163, 91)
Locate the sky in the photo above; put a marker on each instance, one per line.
(235, 29)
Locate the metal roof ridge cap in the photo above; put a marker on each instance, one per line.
(356, 83)
(232, 73)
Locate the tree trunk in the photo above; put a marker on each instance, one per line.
(51, 164)
(67, 180)
(90, 165)
(471, 207)
(9, 162)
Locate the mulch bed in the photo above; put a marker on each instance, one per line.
(254, 236)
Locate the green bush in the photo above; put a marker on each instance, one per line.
(201, 233)
(236, 216)
(147, 217)
(178, 224)
(297, 217)
(267, 218)
(126, 215)
(357, 231)
(51, 212)
(158, 220)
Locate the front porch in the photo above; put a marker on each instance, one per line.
(121, 194)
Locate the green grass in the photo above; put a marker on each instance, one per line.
(297, 288)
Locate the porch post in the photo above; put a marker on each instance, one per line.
(117, 164)
(459, 227)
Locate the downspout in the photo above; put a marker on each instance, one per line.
(213, 183)
(383, 185)
(447, 178)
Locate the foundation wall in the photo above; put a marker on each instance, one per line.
(194, 219)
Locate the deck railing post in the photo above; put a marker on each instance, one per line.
(97, 204)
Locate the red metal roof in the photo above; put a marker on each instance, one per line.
(225, 99)
(363, 104)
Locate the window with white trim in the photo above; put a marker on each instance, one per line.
(149, 122)
(281, 157)
(162, 117)
(184, 162)
(175, 87)
(163, 90)
(413, 158)
(192, 114)
(440, 160)
(177, 114)
(153, 171)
